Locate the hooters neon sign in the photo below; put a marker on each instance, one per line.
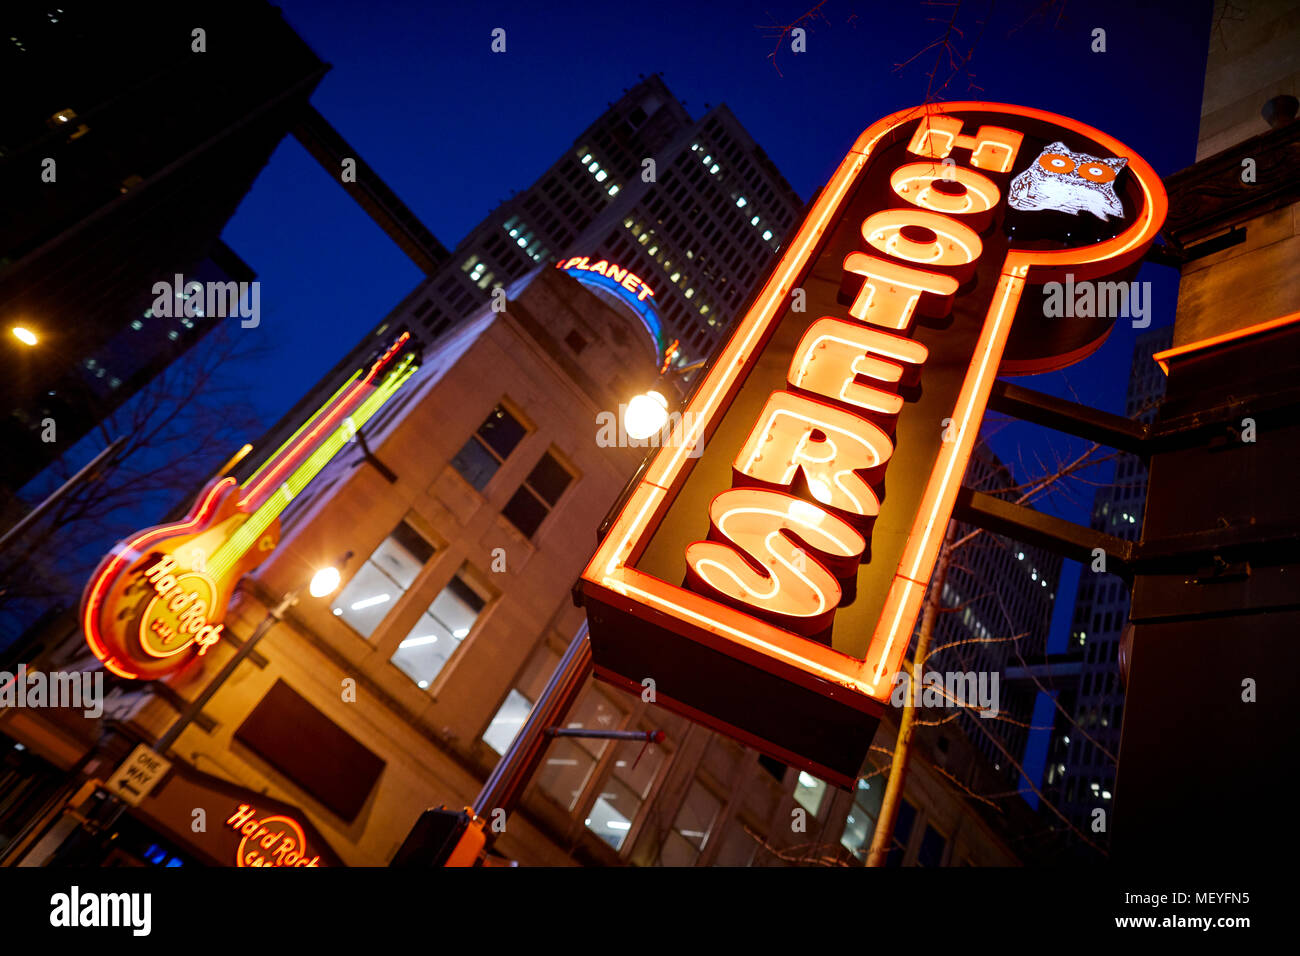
(796, 552)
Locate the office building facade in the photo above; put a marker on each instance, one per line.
(111, 185)
(694, 208)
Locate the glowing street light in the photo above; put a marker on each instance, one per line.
(24, 335)
(323, 582)
(646, 414)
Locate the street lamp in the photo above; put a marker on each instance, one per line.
(645, 414)
(323, 583)
(24, 335)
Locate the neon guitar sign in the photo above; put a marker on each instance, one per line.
(158, 599)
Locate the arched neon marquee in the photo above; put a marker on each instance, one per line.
(621, 284)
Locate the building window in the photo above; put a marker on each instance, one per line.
(861, 821)
(691, 827)
(575, 341)
(510, 716)
(537, 495)
(932, 846)
(441, 628)
(809, 792)
(514, 710)
(902, 833)
(385, 577)
(738, 847)
(488, 447)
(570, 760)
(636, 765)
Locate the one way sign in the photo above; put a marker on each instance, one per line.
(137, 775)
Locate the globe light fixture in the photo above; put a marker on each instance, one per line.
(645, 414)
(323, 582)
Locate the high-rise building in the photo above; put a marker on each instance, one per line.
(694, 208)
(133, 143)
(118, 174)
(998, 598)
(1080, 774)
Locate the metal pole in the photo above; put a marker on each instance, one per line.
(519, 762)
(649, 736)
(115, 807)
(87, 471)
(195, 707)
(882, 839)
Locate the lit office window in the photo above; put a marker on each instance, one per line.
(385, 576)
(441, 628)
(636, 766)
(537, 495)
(509, 718)
(514, 710)
(809, 792)
(691, 827)
(488, 447)
(861, 820)
(569, 761)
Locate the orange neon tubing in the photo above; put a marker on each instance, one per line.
(342, 408)
(1162, 358)
(129, 552)
(198, 515)
(746, 637)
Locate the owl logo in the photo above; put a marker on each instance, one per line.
(1066, 181)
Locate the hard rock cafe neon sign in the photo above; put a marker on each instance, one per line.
(791, 554)
(273, 840)
(159, 598)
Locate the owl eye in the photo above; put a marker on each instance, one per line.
(1097, 172)
(1056, 163)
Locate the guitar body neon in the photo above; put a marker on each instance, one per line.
(159, 598)
(159, 591)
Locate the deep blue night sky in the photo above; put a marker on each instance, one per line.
(454, 128)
